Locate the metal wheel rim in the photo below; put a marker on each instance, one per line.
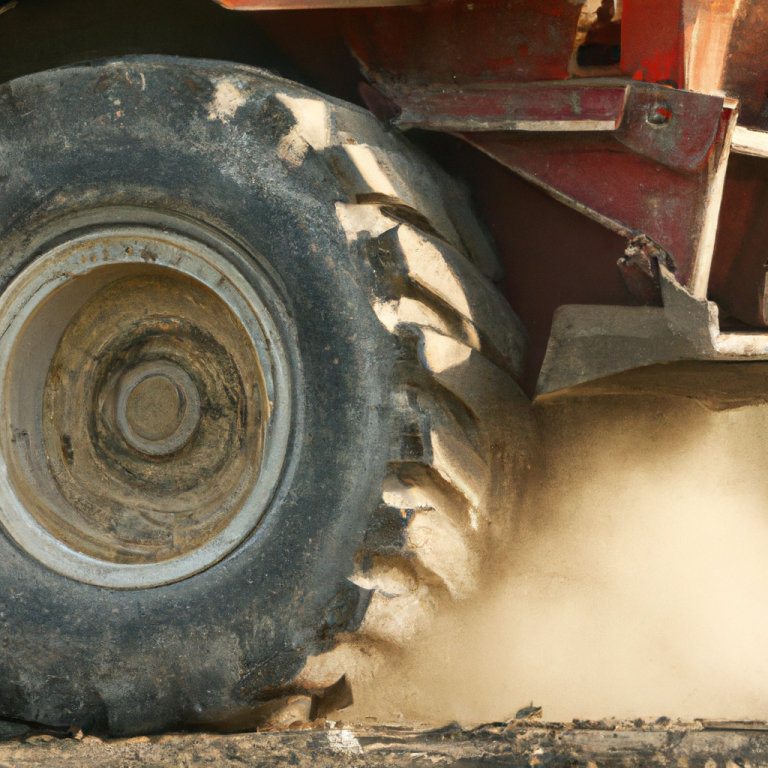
(232, 275)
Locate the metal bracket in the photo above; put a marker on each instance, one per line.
(612, 350)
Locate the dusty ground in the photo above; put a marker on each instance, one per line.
(519, 743)
(635, 587)
(634, 584)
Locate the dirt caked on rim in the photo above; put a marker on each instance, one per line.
(146, 405)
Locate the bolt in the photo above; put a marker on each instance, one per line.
(660, 114)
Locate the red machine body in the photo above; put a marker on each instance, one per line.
(627, 112)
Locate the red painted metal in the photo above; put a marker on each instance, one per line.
(679, 129)
(480, 69)
(442, 70)
(507, 41)
(397, 44)
(650, 175)
(673, 127)
(458, 43)
(560, 106)
(652, 41)
(632, 193)
(746, 66)
(738, 276)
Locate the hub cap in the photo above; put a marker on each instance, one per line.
(146, 405)
(158, 408)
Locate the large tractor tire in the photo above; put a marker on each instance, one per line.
(256, 396)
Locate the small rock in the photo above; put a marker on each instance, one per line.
(36, 738)
(528, 713)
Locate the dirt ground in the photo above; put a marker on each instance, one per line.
(633, 584)
(518, 743)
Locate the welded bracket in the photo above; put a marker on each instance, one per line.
(616, 350)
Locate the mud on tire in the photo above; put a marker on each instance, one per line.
(362, 473)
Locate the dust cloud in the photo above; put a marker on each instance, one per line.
(635, 584)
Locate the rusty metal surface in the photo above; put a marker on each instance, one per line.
(679, 129)
(738, 275)
(652, 41)
(637, 158)
(456, 43)
(676, 128)
(605, 180)
(536, 107)
(434, 68)
(745, 74)
(685, 45)
(446, 70)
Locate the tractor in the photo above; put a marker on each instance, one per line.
(278, 283)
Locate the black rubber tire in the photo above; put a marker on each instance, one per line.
(403, 370)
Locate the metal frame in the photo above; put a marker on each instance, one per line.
(641, 146)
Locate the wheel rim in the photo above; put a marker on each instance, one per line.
(146, 404)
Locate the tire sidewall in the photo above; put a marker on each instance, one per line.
(139, 134)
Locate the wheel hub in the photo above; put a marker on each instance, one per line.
(158, 408)
(146, 407)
